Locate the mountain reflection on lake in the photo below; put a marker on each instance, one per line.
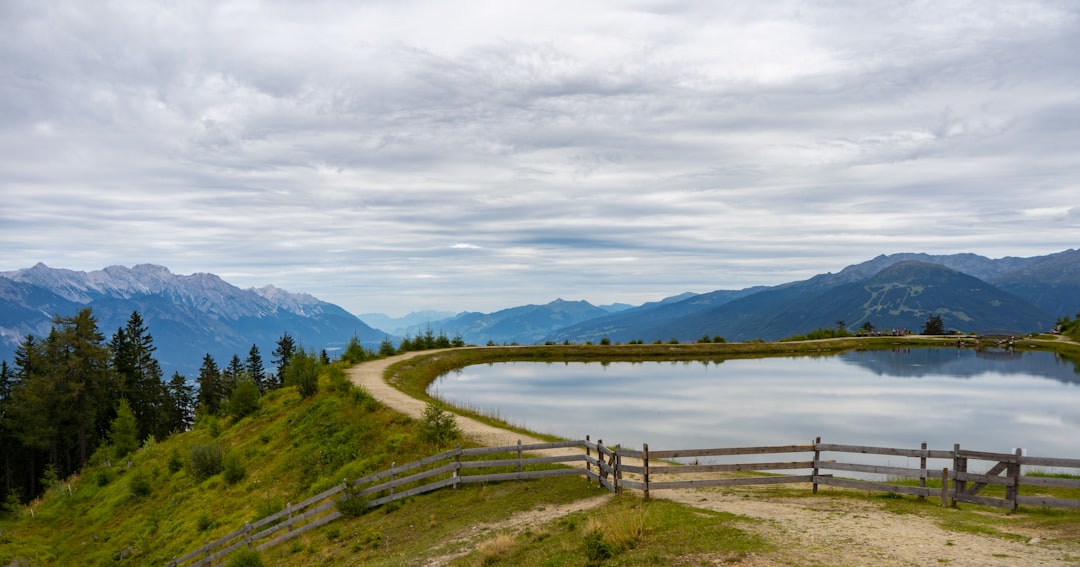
(988, 401)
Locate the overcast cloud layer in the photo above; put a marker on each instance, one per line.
(392, 156)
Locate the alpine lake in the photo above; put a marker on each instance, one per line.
(985, 400)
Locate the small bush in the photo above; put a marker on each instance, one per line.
(245, 399)
(11, 506)
(233, 468)
(175, 462)
(204, 522)
(246, 557)
(139, 483)
(207, 460)
(266, 508)
(438, 426)
(352, 505)
(104, 476)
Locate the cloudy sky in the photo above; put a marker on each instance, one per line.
(395, 156)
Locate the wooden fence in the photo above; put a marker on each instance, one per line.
(620, 468)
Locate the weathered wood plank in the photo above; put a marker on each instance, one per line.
(876, 486)
(289, 535)
(983, 500)
(1050, 462)
(524, 475)
(734, 467)
(413, 492)
(1050, 481)
(985, 456)
(748, 481)
(890, 451)
(875, 469)
(684, 453)
(1048, 501)
(526, 462)
(985, 479)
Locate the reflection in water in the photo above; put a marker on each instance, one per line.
(854, 398)
(964, 363)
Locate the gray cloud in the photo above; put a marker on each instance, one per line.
(469, 155)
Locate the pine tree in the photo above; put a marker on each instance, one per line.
(123, 433)
(209, 386)
(231, 376)
(181, 396)
(140, 376)
(284, 351)
(81, 361)
(8, 443)
(255, 368)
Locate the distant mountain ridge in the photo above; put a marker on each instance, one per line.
(1019, 294)
(188, 315)
(201, 313)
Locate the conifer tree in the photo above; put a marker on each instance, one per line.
(209, 386)
(231, 376)
(181, 396)
(123, 432)
(284, 351)
(140, 376)
(255, 368)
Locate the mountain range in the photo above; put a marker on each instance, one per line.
(971, 293)
(190, 316)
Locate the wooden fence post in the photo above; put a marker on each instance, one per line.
(519, 459)
(588, 453)
(945, 486)
(457, 467)
(393, 476)
(959, 466)
(1012, 492)
(600, 473)
(618, 472)
(288, 510)
(817, 457)
(247, 533)
(645, 462)
(922, 465)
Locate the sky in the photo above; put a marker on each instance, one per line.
(471, 156)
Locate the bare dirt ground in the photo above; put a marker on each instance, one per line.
(822, 530)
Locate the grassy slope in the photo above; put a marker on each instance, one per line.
(293, 448)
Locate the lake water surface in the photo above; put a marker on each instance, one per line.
(988, 401)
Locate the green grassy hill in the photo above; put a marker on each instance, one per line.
(163, 503)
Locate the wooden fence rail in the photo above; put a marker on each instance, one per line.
(620, 468)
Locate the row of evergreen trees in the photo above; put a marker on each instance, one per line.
(61, 397)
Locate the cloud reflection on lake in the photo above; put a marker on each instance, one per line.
(880, 398)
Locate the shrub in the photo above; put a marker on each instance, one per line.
(352, 505)
(246, 557)
(303, 372)
(175, 462)
(233, 468)
(204, 522)
(104, 476)
(437, 425)
(245, 399)
(207, 460)
(139, 483)
(11, 506)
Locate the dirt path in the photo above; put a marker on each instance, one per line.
(806, 531)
